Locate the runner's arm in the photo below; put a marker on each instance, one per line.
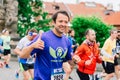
(37, 44)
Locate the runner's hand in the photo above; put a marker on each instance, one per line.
(39, 43)
(76, 58)
(100, 58)
(116, 55)
(112, 57)
(67, 68)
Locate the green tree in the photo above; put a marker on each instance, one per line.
(28, 11)
(81, 23)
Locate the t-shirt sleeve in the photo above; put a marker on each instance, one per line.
(20, 45)
(106, 44)
(69, 52)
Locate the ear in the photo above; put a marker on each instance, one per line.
(53, 23)
(86, 36)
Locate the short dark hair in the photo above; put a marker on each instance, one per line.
(54, 17)
(87, 31)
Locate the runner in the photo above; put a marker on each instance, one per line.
(108, 51)
(26, 64)
(52, 49)
(89, 54)
(6, 46)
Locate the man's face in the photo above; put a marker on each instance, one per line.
(7, 33)
(114, 34)
(91, 36)
(61, 23)
(33, 36)
(72, 33)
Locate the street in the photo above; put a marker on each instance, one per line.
(9, 74)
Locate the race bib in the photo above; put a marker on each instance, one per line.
(57, 74)
(118, 49)
(113, 51)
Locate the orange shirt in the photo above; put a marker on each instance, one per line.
(88, 52)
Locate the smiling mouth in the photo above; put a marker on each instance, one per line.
(62, 27)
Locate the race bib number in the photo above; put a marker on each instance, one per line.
(57, 74)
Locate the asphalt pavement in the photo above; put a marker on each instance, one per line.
(9, 74)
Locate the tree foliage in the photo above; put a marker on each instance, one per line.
(29, 10)
(81, 23)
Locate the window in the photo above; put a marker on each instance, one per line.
(90, 4)
(56, 7)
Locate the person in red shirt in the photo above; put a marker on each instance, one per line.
(89, 55)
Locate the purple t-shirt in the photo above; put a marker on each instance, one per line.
(56, 51)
